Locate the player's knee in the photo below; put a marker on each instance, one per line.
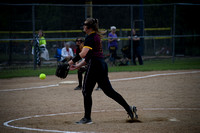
(109, 92)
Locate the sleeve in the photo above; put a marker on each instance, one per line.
(77, 51)
(109, 35)
(63, 52)
(71, 52)
(88, 43)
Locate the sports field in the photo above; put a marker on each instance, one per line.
(167, 101)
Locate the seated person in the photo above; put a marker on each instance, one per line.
(66, 53)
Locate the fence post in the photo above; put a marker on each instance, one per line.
(141, 18)
(173, 33)
(88, 9)
(33, 24)
(131, 34)
(10, 36)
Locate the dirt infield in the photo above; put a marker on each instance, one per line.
(167, 101)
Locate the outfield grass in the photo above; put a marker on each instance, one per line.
(150, 65)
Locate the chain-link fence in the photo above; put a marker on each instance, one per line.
(165, 30)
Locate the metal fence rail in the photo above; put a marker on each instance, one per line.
(164, 29)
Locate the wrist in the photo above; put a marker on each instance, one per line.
(76, 58)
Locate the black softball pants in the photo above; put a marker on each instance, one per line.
(97, 72)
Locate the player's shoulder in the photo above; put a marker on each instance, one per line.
(89, 37)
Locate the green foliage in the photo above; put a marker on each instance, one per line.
(150, 65)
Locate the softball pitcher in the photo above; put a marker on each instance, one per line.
(97, 71)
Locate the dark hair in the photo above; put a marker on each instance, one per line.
(42, 32)
(94, 24)
(80, 39)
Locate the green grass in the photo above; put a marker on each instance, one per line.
(28, 72)
(150, 65)
(164, 64)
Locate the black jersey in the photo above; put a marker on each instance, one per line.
(93, 42)
(77, 49)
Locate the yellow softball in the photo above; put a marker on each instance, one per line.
(42, 76)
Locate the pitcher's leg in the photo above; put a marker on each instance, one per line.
(110, 92)
(88, 87)
(80, 77)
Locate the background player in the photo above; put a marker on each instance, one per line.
(79, 46)
(136, 48)
(113, 44)
(40, 50)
